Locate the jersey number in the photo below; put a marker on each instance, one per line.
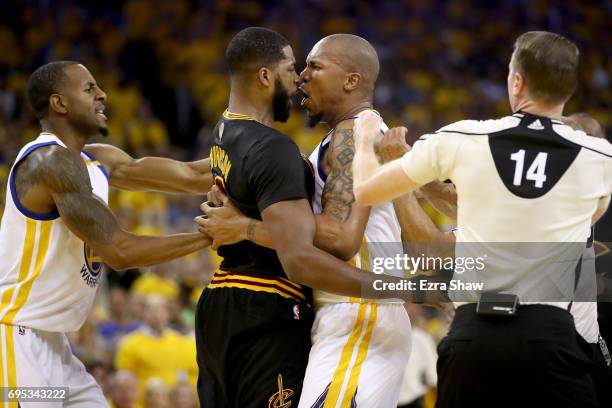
(535, 171)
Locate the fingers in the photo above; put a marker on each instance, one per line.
(207, 207)
(215, 196)
(202, 222)
(393, 145)
(367, 124)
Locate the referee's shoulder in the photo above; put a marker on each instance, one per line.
(479, 127)
(595, 144)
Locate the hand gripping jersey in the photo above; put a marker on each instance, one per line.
(382, 236)
(48, 276)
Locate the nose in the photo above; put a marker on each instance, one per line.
(101, 95)
(304, 75)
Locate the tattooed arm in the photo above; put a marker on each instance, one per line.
(63, 177)
(342, 223)
(152, 173)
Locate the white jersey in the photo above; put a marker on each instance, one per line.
(519, 179)
(48, 276)
(382, 238)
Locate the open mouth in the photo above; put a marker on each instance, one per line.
(100, 112)
(304, 95)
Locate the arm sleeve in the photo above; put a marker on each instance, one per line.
(275, 171)
(432, 157)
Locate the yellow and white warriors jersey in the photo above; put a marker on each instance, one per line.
(382, 238)
(48, 276)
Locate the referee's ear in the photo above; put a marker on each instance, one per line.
(352, 81)
(518, 84)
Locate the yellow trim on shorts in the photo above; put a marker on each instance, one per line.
(27, 281)
(362, 353)
(2, 355)
(7, 360)
(12, 368)
(345, 360)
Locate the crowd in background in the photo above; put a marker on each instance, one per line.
(161, 65)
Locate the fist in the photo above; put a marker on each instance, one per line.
(393, 144)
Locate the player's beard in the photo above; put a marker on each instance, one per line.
(313, 120)
(281, 103)
(103, 130)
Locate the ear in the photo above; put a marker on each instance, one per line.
(352, 81)
(265, 77)
(518, 84)
(58, 104)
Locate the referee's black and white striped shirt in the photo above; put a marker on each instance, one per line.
(521, 178)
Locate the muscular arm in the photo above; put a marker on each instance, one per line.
(64, 177)
(292, 228)
(152, 173)
(342, 223)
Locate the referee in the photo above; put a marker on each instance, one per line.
(524, 178)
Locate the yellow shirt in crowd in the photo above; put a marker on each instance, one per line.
(170, 357)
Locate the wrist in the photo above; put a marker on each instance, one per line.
(249, 231)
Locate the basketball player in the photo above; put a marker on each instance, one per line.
(529, 167)
(57, 230)
(337, 83)
(261, 356)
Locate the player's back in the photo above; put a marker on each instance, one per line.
(48, 276)
(528, 187)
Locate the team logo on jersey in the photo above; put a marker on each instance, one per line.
(296, 312)
(281, 398)
(91, 271)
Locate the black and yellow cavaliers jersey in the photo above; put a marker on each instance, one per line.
(257, 166)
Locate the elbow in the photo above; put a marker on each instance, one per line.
(295, 263)
(117, 261)
(343, 249)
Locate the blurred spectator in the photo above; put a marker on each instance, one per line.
(155, 351)
(157, 394)
(183, 396)
(123, 390)
(121, 320)
(100, 371)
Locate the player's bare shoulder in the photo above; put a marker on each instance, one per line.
(55, 168)
(50, 169)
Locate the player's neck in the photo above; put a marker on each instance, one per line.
(538, 109)
(245, 106)
(347, 112)
(66, 133)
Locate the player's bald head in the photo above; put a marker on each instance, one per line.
(588, 124)
(354, 54)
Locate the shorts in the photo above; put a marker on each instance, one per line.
(36, 358)
(358, 356)
(252, 348)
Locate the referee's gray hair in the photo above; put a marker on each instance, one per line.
(549, 64)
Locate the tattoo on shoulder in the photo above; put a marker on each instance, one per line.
(65, 176)
(338, 197)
